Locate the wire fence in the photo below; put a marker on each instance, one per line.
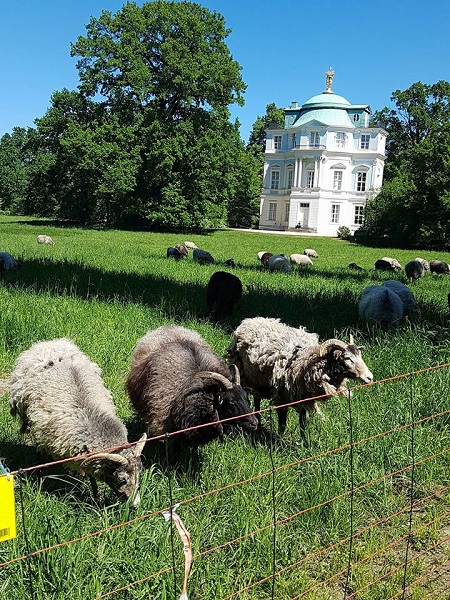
(358, 576)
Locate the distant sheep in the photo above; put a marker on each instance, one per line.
(279, 263)
(414, 270)
(173, 252)
(260, 254)
(190, 245)
(264, 259)
(394, 263)
(383, 265)
(300, 259)
(202, 257)
(380, 304)
(59, 395)
(288, 364)
(177, 381)
(230, 263)
(355, 267)
(311, 253)
(222, 293)
(8, 262)
(439, 266)
(424, 263)
(45, 239)
(182, 249)
(404, 293)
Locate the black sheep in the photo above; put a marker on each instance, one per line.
(222, 293)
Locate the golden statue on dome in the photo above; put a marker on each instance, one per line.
(329, 81)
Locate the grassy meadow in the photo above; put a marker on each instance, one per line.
(104, 290)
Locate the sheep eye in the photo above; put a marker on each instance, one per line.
(122, 478)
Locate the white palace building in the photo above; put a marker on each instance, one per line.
(320, 168)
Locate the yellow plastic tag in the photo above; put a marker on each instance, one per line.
(7, 511)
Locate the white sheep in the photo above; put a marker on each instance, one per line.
(311, 253)
(288, 364)
(190, 245)
(300, 259)
(396, 266)
(60, 397)
(425, 264)
(45, 239)
(404, 293)
(380, 304)
(279, 263)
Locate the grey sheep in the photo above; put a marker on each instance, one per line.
(414, 270)
(8, 262)
(311, 253)
(439, 266)
(222, 293)
(424, 263)
(300, 259)
(203, 257)
(182, 249)
(404, 293)
(279, 263)
(380, 304)
(61, 400)
(45, 239)
(176, 381)
(288, 364)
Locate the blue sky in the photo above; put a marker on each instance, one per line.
(284, 48)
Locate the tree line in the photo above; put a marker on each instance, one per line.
(146, 139)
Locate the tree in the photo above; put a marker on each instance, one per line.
(14, 159)
(274, 117)
(412, 207)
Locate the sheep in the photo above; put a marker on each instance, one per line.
(264, 259)
(311, 253)
(8, 262)
(45, 239)
(222, 293)
(182, 249)
(414, 270)
(439, 266)
(300, 259)
(202, 257)
(280, 263)
(61, 400)
(173, 252)
(355, 267)
(383, 265)
(287, 364)
(176, 381)
(425, 263)
(190, 245)
(260, 254)
(380, 304)
(404, 293)
(230, 263)
(396, 266)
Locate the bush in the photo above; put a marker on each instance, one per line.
(343, 232)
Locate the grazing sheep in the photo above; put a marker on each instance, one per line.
(383, 265)
(265, 258)
(279, 263)
(414, 270)
(222, 293)
(202, 257)
(311, 253)
(182, 249)
(425, 264)
(61, 400)
(404, 293)
(394, 263)
(45, 239)
(260, 254)
(300, 259)
(230, 263)
(380, 304)
(177, 381)
(355, 267)
(173, 252)
(8, 262)
(439, 266)
(287, 364)
(190, 245)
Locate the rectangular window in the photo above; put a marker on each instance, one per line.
(310, 182)
(337, 181)
(365, 140)
(290, 178)
(277, 142)
(361, 182)
(294, 140)
(340, 139)
(335, 209)
(275, 180)
(359, 215)
(314, 139)
(287, 207)
(272, 211)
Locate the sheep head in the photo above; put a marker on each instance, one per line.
(344, 361)
(120, 471)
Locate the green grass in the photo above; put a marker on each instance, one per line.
(105, 289)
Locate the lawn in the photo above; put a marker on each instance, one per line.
(104, 290)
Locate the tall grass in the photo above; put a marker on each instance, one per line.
(104, 290)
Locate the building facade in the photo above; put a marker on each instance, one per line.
(322, 166)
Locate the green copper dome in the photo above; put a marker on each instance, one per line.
(326, 100)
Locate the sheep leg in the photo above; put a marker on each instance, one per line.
(302, 417)
(257, 403)
(94, 487)
(282, 419)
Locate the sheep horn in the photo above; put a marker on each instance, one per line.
(140, 445)
(217, 376)
(236, 374)
(332, 343)
(351, 341)
(121, 460)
